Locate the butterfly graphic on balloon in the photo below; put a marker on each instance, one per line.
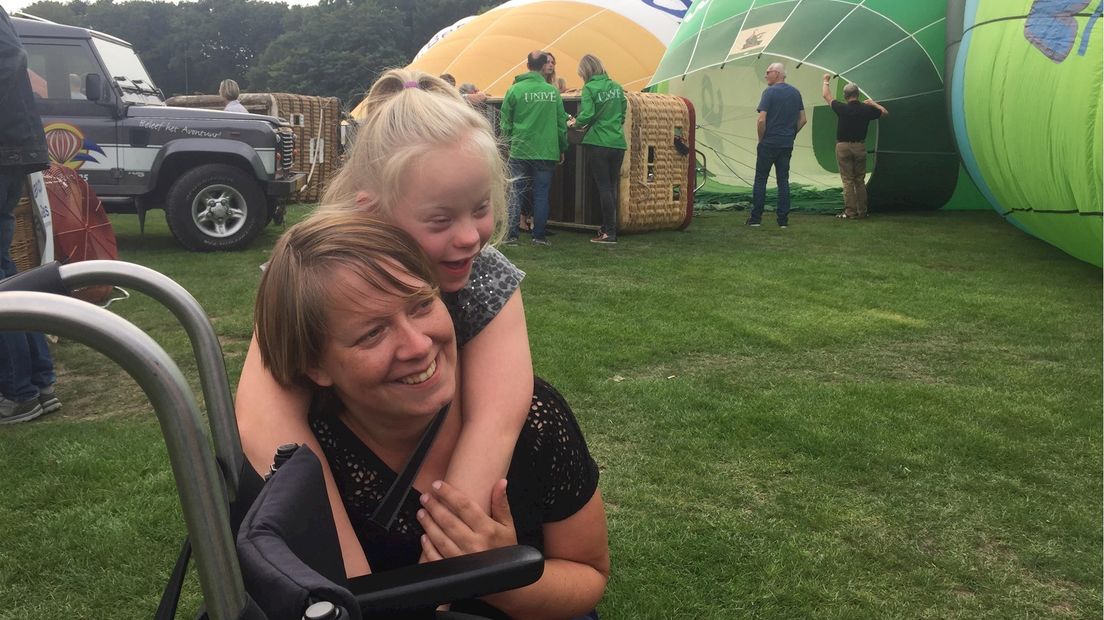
(68, 147)
(1051, 26)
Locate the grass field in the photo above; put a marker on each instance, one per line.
(899, 417)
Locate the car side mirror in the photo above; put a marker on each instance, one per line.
(93, 87)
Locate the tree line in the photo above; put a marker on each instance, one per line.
(334, 49)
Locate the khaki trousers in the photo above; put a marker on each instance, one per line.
(851, 157)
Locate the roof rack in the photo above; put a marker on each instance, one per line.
(36, 18)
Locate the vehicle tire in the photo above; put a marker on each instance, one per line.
(215, 207)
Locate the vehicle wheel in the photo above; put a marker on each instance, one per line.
(215, 207)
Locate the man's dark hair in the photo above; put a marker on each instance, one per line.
(536, 62)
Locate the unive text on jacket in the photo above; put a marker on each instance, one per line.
(540, 96)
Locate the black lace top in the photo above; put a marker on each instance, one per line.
(493, 280)
(551, 477)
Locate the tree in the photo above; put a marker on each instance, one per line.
(426, 18)
(186, 47)
(338, 50)
(143, 24)
(71, 14)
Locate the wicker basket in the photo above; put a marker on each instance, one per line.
(657, 182)
(316, 121)
(24, 248)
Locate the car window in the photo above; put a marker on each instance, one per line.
(58, 70)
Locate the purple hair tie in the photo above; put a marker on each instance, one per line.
(411, 85)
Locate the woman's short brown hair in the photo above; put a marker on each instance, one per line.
(296, 289)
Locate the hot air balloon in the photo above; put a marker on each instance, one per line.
(892, 50)
(80, 225)
(1025, 99)
(488, 50)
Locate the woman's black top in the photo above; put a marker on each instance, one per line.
(552, 476)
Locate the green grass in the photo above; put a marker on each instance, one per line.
(899, 417)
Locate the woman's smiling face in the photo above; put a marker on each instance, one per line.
(389, 353)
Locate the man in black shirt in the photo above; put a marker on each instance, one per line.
(854, 117)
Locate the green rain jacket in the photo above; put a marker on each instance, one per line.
(603, 108)
(533, 119)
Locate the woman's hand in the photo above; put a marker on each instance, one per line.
(454, 525)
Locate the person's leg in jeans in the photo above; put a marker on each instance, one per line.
(616, 158)
(782, 175)
(42, 364)
(764, 159)
(599, 164)
(519, 186)
(542, 184)
(527, 209)
(16, 357)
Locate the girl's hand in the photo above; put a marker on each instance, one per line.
(454, 525)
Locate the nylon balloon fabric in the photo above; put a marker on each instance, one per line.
(81, 228)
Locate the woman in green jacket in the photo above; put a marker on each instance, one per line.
(603, 110)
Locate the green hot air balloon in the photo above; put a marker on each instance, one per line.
(1025, 99)
(893, 49)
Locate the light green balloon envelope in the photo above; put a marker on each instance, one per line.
(1027, 116)
(891, 48)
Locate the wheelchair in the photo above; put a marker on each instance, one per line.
(264, 549)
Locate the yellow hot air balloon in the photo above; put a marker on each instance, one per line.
(488, 50)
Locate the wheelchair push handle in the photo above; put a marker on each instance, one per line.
(60, 279)
(42, 279)
(198, 483)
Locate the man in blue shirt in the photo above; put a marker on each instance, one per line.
(781, 116)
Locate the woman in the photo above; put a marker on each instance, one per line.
(427, 162)
(602, 111)
(228, 90)
(348, 308)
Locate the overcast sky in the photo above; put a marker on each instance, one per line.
(15, 5)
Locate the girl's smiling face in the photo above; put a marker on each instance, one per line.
(445, 204)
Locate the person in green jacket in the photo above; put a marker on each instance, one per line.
(534, 123)
(602, 111)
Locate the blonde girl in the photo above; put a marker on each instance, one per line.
(425, 161)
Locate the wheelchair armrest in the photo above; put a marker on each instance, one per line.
(451, 579)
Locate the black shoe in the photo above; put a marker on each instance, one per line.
(753, 223)
(19, 411)
(48, 399)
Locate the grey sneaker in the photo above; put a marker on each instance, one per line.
(12, 411)
(48, 399)
(544, 242)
